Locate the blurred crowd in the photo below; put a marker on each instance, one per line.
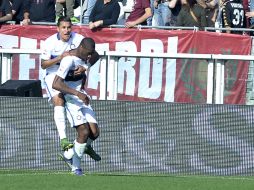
(228, 14)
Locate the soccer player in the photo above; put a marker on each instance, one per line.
(55, 48)
(79, 111)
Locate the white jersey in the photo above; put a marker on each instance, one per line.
(71, 63)
(77, 112)
(54, 46)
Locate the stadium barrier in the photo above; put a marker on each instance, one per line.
(215, 69)
(136, 138)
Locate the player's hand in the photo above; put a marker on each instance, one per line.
(83, 97)
(66, 53)
(80, 70)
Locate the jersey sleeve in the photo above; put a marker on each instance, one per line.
(46, 49)
(65, 66)
(226, 15)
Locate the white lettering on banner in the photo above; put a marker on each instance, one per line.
(8, 41)
(126, 72)
(97, 72)
(171, 71)
(150, 74)
(151, 82)
(26, 62)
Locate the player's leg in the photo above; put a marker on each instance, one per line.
(59, 111)
(79, 148)
(76, 118)
(59, 117)
(94, 132)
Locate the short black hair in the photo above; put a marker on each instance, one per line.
(63, 19)
(88, 43)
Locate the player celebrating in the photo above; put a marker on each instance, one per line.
(55, 48)
(79, 111)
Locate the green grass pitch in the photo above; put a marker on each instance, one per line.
(26, 180)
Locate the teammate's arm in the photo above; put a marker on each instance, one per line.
(47, 63)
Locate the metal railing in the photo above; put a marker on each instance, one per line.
(194, 28)
(215, 68)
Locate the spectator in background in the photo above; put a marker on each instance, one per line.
(191, 14)
(104, 13)
(233, 15)
(162, 13)
(250, 14)
(39, 11)
(149, 21)
(211, 9)
(86, 10)
(17, 10)
(175, 6)
(66, 8)
(140, 13)
(5, 11)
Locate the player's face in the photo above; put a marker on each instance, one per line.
(86, 54)
(64, 30)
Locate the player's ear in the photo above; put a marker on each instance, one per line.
(89, 56)
(94, 58)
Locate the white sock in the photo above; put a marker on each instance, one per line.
(59, 117)
(78, 153)
(79, 148)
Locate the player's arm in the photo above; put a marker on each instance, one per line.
(80, 72)
(47, 63)
(59, 85)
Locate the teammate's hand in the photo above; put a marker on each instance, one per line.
(83, 97)
(79, 70)
(66, 53)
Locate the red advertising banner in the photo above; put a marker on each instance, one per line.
(141, 79)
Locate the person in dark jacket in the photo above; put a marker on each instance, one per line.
(39, 11)
(191, 14)
(5, 11)
(104, 13)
